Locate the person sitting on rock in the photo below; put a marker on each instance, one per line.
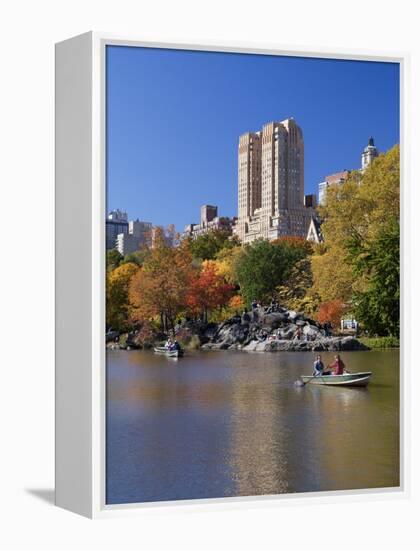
(262, 336)
(318, 366)
(298, 333)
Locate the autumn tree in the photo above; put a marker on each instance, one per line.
(208, 290)
(117, 296)
(332, 274)
(160, 288)
(295, 293)
(226, 262)
(298, 246)
(236, 304)
(331, 312)
(360, 261)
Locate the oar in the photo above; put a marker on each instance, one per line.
(302, 383)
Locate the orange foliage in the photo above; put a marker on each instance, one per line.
(237, 302)
(331, 312)
(161, 287)
(208, 290)
(295, 242)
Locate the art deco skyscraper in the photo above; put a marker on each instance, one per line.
(271, 183)
(249, 174)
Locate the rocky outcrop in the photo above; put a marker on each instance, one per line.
(279, 330)
(262, 329)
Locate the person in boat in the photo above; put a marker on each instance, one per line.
(318, 366)
(337, 367)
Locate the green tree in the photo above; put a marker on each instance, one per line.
(378, 307)
(113, 259)
(263, 266)
(206, 246)
(138, 257)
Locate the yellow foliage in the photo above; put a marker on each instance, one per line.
(332, 275)
(123, 273)
(226, 262)
(117, 290)
(354, 215)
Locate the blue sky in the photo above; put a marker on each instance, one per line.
(174, 118)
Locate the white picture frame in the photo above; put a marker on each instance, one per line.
(80, 274)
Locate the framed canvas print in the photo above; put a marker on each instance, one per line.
(228, 274)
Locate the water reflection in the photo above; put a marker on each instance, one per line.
(225, 424)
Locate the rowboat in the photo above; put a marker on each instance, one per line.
(356, 379)
(168, 352)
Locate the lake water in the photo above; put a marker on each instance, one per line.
(216, 424)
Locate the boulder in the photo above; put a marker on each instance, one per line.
(251, 346)
(273, 320)
(311, 331)
(288, 332)
(259, 330)
(246, 318)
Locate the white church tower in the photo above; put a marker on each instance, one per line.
(369, 153)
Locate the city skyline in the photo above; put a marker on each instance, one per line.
(174, 119)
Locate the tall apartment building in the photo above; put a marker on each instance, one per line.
(271, 183)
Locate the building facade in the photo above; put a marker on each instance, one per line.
(310, 201)
(271, 183)
(116, 223)
(370, 152)
(332, 179)
(139, 234)
(209, 221)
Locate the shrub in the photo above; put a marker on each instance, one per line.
(381, 342)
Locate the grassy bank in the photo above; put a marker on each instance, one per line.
(381, 342)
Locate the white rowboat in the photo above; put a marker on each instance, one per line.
(357, 379)
(169, 353)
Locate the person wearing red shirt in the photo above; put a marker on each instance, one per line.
(338, 366)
